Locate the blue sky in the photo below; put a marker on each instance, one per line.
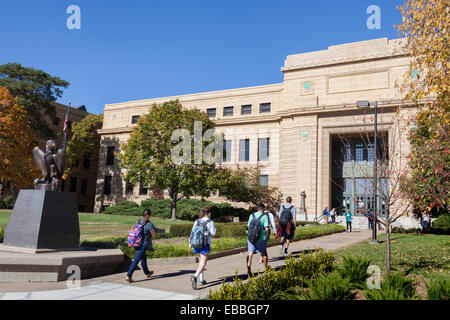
(141, 49)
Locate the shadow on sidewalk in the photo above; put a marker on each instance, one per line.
(166, 275)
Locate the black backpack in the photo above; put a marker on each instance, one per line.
(285, 216)
(254, 229)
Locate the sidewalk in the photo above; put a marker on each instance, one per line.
(171, 282)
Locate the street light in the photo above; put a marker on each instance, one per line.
(366, 104)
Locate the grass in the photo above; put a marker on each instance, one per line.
(104, 225)
(417, 255)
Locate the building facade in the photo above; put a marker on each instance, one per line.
(293, 129)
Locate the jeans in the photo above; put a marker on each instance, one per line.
(140, 255)
(349, 224)
(333, 219)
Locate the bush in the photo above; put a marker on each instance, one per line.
(438, 288)
(442, 224)
(305, 223)
(403, 230)
(355, 269)
(288, 282)
(222, 230)
(329, 286)
(128, 208)
(2, 233)
(395, 287)
(7, 203)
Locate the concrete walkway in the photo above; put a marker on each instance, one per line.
(171, 282)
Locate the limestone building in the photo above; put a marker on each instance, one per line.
(294, 129)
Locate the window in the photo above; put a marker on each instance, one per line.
(110, 156)
(247, 109)
(370, 153)
(87, 160)
(143, 190)
(348, 153)
(264, 180)
(359, 155)
(107, 187)
(211, 112)
(134, 119)
(347, 187)
(228, 111)
(244, 150)
(84, 185)
(264, 107)
(263, 149)
(73, 184)
(129, 188)
(226, 151)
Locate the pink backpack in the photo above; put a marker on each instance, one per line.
(135, 236)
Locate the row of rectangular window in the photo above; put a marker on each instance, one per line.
(245, 110)
(244, 150)
(227, 111)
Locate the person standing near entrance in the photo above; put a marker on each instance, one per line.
(325, 214)
(348, 220)
(425, 221)
(286, 224)
(333, 215)
(370, 219)
(148, 231)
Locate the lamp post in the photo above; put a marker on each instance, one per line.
(366, 104)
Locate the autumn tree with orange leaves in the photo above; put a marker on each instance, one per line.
(425, 27)
(16, 140)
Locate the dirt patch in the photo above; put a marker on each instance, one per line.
(358, 295)
(421, 289)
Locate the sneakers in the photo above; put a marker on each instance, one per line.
(129, 279)
(194, 282)
(148, 275)
(203, 282)
(285, 251)
(281, 248)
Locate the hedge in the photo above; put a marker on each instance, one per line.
(222, 229)
(187, 209)
(442, 224)
(7, 203)
(2, 233)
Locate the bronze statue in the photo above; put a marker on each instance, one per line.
(52, 164)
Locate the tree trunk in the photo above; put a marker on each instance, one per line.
(174, 207)
(388, 247)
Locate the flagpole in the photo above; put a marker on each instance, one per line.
(66, 125)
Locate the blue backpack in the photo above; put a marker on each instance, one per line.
(199, 234)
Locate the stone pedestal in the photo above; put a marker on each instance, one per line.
(43, 219)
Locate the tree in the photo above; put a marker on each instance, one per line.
(16, 141)
(150, 155)
(391, 173)
(243, 185)
(35, 90)
(426, 27)
(84, 140)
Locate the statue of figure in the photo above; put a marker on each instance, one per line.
(52, 164)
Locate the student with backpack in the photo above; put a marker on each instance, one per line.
(140, 237)
(348, 220)
(258, 231)
(200, 240)
(286, 224)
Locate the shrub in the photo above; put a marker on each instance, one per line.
(355, 269)
(7, 203)
(305, 223)
(2, 233)
(403, 230)
(181, 230)
(222, 230)
(329, 286)
(125, 207)
(395, 287)
(159, 207)
(442, 224)
(438, 288)
(271, 285)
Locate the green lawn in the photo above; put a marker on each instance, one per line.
(104, 225)
(418, 255)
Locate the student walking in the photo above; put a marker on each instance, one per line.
(200, 240)
(148, 232)
(325, 214)
(258, 231)
(333, 215)
(272, 229)
(348, 219)
(286, 224)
